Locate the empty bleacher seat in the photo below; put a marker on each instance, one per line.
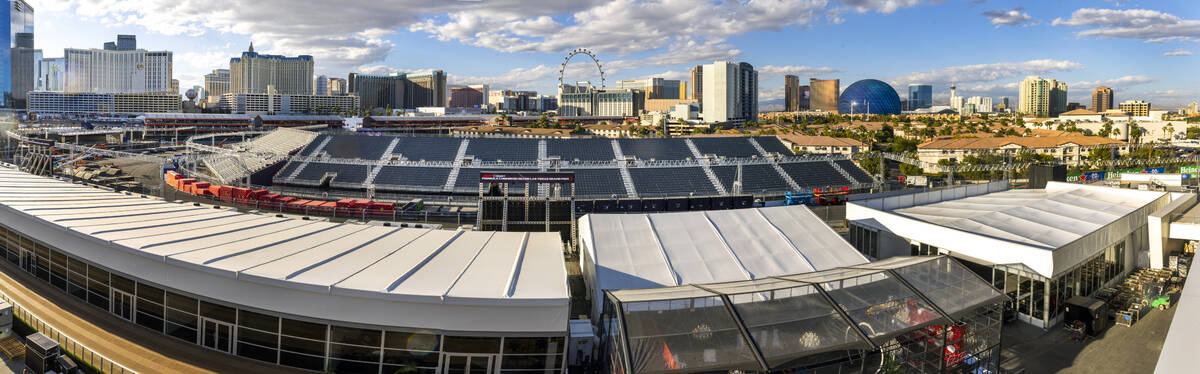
(756, 179)
(773, 145)
(429, 148)
(656, 149)
(856, 172)
(485, 149)
(815, 174)
(416, 177)
(580, 149)
(599, 183)
(314, 171)
(682, 181)
(357, 146)
(726, 147)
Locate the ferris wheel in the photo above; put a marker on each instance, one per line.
(581, 51)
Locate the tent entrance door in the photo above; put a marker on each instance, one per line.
(122, 304)
(468, 364)
(216, 335)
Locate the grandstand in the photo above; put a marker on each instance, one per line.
(604, 168)
(240, 160)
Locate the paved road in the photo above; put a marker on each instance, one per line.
(1119, 349)
(119, 340)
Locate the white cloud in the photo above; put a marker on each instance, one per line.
(1178, 52)
(1131, 24)
(1115, 83)
(984, 72)
(770, 71)
(515, 78)
(1012, 17)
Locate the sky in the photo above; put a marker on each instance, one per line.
(1142, 49)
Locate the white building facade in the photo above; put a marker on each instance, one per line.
(730, 92)
(117, 71)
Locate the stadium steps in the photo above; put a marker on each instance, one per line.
(759, 147)
(712, 177)
(458, 158)
(300, 168)
(843, 172)
(626, 178)
(791, 182)
(387, 153)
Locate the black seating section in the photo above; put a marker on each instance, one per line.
(599, 183)
(858, 173)
(580, 149)
(427, 148)
(503, 149)
(756, 179)
(773, 145)
(315, 170)
(656, 149)
(312, 146)
(726, 147)
(422, 177)
(288, 169)
(815, 174)
(357, 146)
(655, 182)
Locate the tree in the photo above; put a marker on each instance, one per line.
(1169, 132)
(907, 169)
(870, 165)
(1100, 154)
(542, 122)
(1193, 132)
(901, 145)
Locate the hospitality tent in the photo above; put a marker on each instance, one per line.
(632, 251)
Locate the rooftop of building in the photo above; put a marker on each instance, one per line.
(1079, 112)
(820, 140)
(1021, 141)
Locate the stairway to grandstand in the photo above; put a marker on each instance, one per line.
(858, 174)
(459, 155)
(767, 144)
(760, 179)
(387, 153)
(676, 181)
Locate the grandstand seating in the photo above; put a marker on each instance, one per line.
(256, 154)
(418, 177)
(504, 149)
(313, 172)
(815, 174)
(755, 178)
(856, 172)
(357, 146)
(656, 149)
(773, 145)
(580, 149)
(727, 147)
(599, 183)
(430, 148)
(351, 174)
(681, 181)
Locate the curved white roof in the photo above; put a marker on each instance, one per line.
(387, 276)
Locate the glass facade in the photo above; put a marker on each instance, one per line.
(280, 339)
(869, 96)
(920, 96)
(1039, 301)
(20, 16)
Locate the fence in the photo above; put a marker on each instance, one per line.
(65, 342)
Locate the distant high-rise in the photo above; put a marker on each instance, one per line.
(1135, 108)
(253, 73)
(730, 91)
(920, 96)
(118, 71)
(52, 73)
(698, 83)
(1042, 98)
(1102, 99)
(981, 104)
(24, 68)
(216, 84)
(399, 91)
(655, 88)
(174, 86)
(472, 96)
(16, 59)
(321, 85)
(791, 93)
(824, 94)
(126, 42)
(338, 87)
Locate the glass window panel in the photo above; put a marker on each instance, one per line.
(313, 347)
(58, 259)
(149, 293)
(181, 318)
(257, 353)
(122, 283)
(394, 369)
(217, 312)
(793, 322)
(182, 333)
(303, 329)
(532, 362)
(258, 321)
(410, 358)
(258, 338)
(948, 284)
(315, 363)
(463, 344)
(149, 321)
(181, 302)
(77, 266)
(351, 335)
(420, 341)
(524, 346)
(354, 352)
(98, 275)
(696, 333)
(880, 305)
(351, 367)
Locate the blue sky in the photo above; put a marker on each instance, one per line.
(1143, 49)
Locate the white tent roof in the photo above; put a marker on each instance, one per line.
(631, 251)
(1049, 230)
(401, 277)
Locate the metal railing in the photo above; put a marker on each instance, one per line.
(66, 342)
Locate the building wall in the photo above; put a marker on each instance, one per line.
(20, 17)
(51, 74)
(216, 84)
(115, 71)
(791, 93)
(321, 85)
(253, 73)
(824, 94)
(1136, 108)
(698, 83)
(103, 103)
(243, 103)
(1102, 99)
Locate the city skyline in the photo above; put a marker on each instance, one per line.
(985, 47)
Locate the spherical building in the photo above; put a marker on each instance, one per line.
(869, 96)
